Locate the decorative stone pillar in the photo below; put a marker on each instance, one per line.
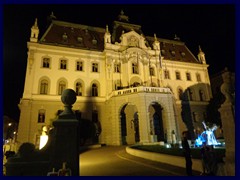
(228, 123)
(65, 142)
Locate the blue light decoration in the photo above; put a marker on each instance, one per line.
(207, 136)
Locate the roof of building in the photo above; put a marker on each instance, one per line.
(66, 34)
(72, 35)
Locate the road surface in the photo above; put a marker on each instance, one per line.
(114, 161)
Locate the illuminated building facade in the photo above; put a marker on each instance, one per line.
(138, 88)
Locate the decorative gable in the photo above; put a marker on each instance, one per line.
(133, 39)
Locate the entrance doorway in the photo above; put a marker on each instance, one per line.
(129, 124)
(156, 121)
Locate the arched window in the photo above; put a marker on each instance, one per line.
(180, 94)
(61, 87)
(94, 90)
(44, 87)
(201, 95)
(78, 89)
(190, 94)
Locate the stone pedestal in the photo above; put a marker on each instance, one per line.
(65, 146)
(228, 124)
(227, 111)
(65, 142)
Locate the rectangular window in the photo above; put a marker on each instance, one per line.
(41, 116)
(188, 76)
(178, 77)
(117, 68)
(63, 64)
(134, 68)
(79, 66)
(198, 77)
(151, 71)
(46, 63)
(94, 67)
(166, 74)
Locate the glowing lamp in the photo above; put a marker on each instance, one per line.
(43, 141)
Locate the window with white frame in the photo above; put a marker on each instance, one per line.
(46, 62)
(94, 67)
(63, 64)
(79, 66)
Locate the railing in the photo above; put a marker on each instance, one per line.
(140, 89)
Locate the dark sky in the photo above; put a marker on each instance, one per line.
(211, 26)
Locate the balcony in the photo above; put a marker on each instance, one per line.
(140, 89)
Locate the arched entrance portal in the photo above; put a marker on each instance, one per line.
(129, 124)
(156, 122)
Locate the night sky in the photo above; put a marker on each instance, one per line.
(210, 26)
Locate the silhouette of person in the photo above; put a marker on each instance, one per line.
(187, 153)
(205, 157)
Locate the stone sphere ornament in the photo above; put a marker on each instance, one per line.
(68, 98)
